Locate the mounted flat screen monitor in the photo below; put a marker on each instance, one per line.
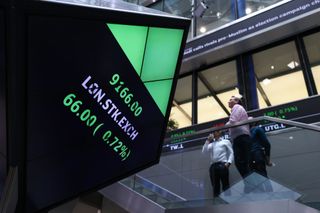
(99, 87)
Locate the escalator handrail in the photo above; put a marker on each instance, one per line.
(249, 121)
(158, 189)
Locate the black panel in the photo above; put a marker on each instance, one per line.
(66, 155)
(3, 138)
(69, 131)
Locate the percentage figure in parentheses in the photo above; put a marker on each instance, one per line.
(123, 151)
(126, 156)
(96, 129)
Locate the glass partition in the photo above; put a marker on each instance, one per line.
(215, 87)
(157, 5)
(146, 2)
(180, 8)
(216, 13)
(254, 5)
(209, 14)
(132, 1)
(313, 49)
(279, 75)
(182, 105)
(292, 173)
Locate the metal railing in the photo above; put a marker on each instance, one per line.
(137, 179)
(249, 121)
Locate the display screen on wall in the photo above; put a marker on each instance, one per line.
(98, 95)
(305, 111)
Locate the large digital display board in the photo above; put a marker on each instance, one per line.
(98, 95)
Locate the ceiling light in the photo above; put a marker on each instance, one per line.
(248, 10)
(203, 29)
(266, 81)
(272, 67)
(293, 64)
(218, 14)
(291, 138)
(238, 96)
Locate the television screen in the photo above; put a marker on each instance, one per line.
(98, 98)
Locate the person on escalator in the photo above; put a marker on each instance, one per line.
(260, 151)
(260, 156)
(240, 136)
(221, 155)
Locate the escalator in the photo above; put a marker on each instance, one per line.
(143, 200)
(180, 182)
(136, 194)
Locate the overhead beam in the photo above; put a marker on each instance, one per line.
(175, 103)
(213, 93)
(262, 92)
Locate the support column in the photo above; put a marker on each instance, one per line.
(241, 8)
(306, 67)
(247, 82)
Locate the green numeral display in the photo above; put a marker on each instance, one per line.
(90, 120)
(124, 93)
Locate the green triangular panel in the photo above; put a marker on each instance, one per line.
(154, 60)
(160, 91)
(162, 50)
(132, 40)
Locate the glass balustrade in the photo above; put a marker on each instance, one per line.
(181, 179)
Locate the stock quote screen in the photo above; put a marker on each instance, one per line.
(98, 94)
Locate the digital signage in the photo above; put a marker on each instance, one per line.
(251, 26)
(306, 111)
(98, 94)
